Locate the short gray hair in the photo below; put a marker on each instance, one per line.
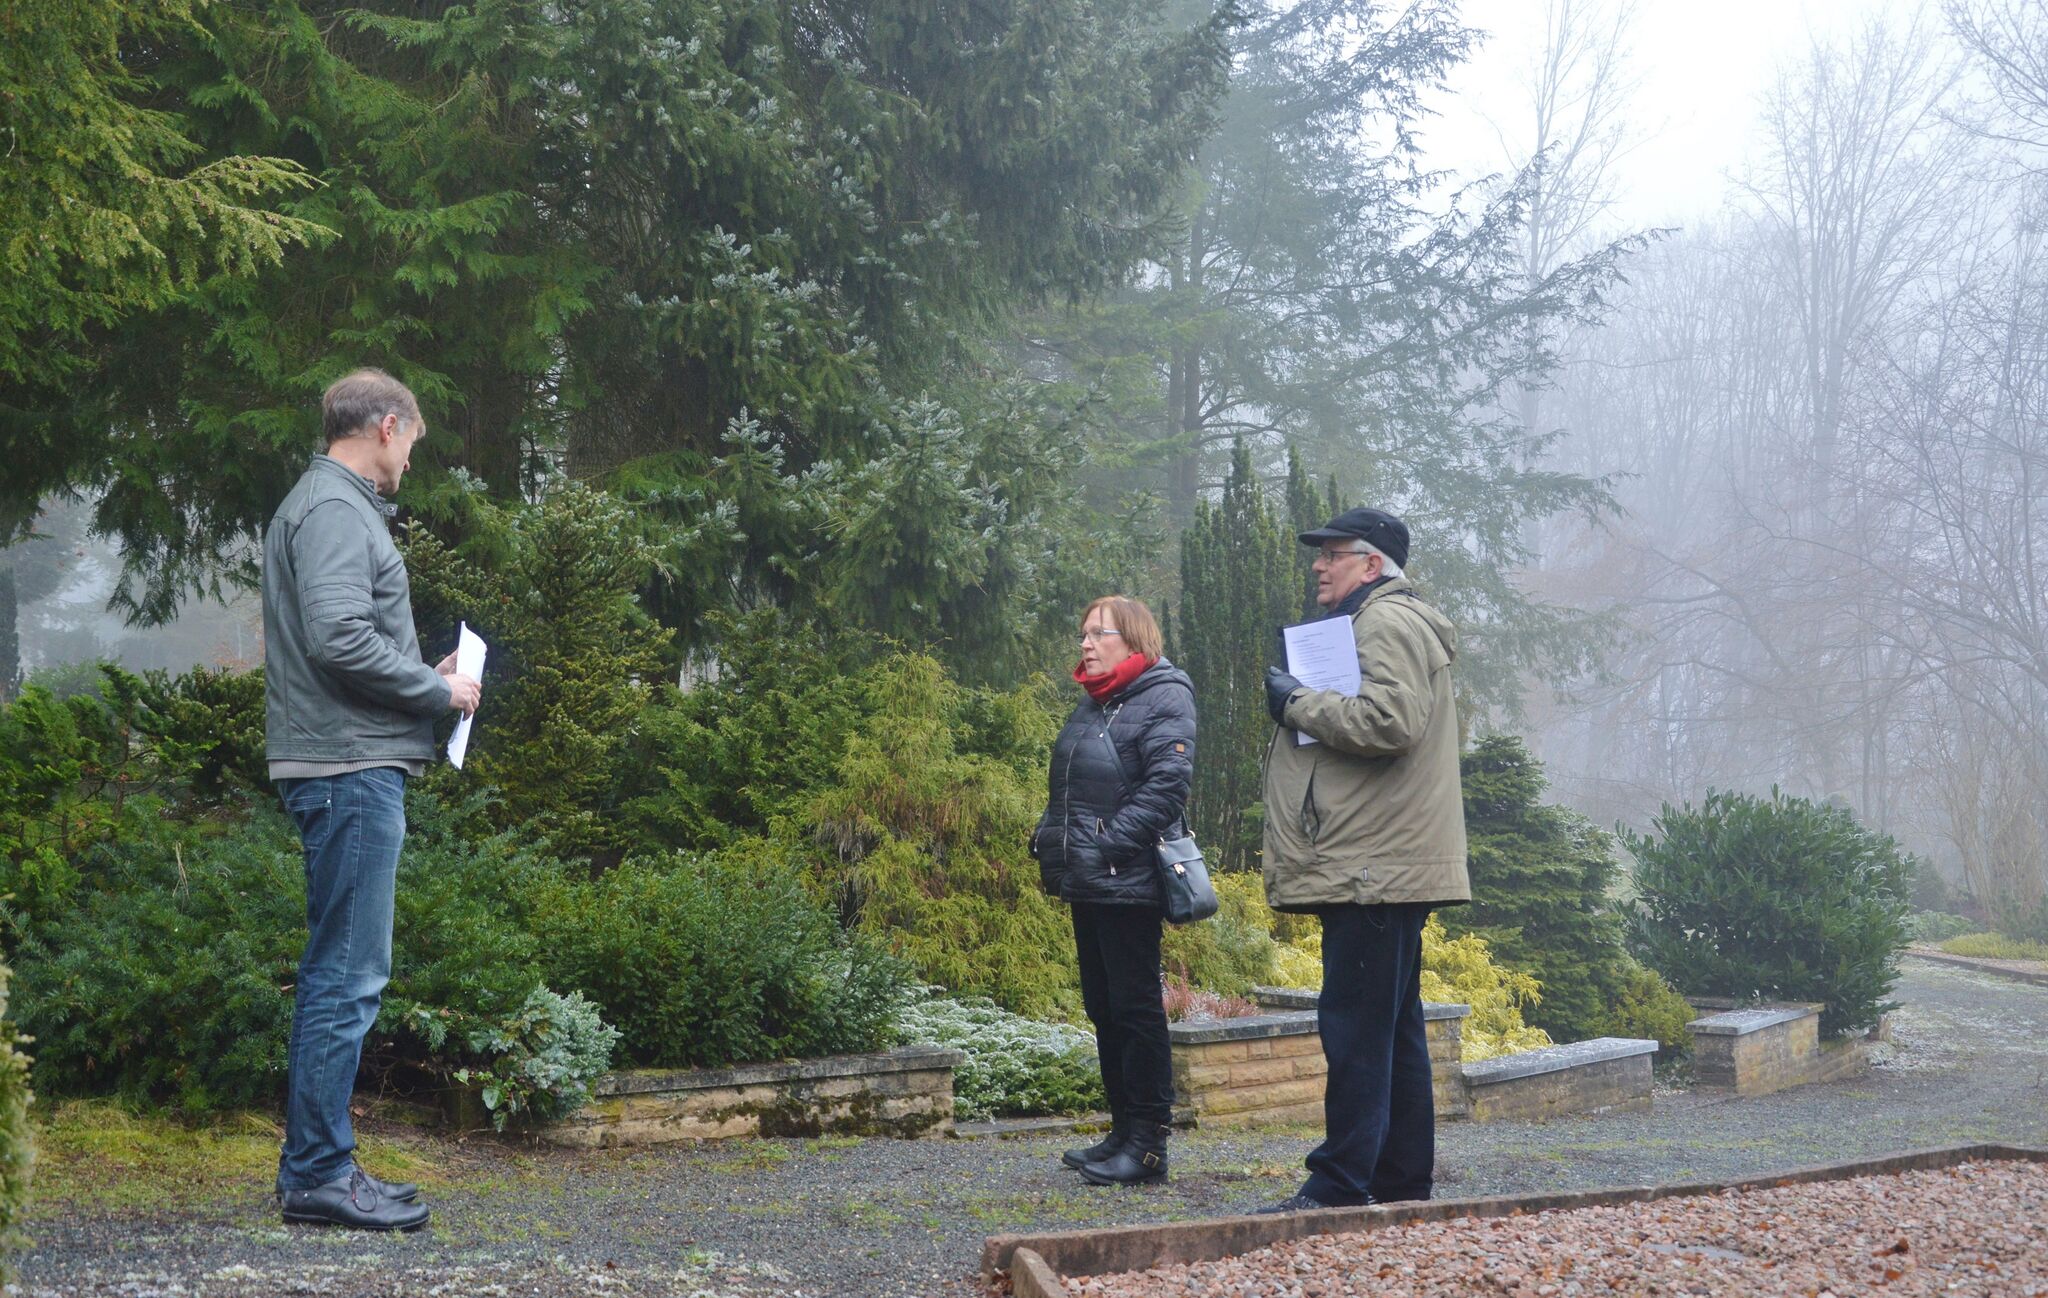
(359, 399)
(1388, 568)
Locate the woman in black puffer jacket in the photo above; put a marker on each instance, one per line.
(1120, 775)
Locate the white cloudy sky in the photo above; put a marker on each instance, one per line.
(1701, 67)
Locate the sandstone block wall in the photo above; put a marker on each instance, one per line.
(1271, 1069)
(1760, 1049)
(1605, 1086)
(905, 1092)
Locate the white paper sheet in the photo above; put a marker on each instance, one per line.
(469, 661)
(1323, 655)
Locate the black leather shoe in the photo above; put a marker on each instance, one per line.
(353, 1201)
(1293, 1203)
(1096, 1152)
(397, 1191)
(1141, 1159)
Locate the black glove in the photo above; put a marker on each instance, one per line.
(1280, 687)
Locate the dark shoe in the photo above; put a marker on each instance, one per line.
(1098, 1151)
(397, 1191)
(353, 1201)
(1142, 1158)
(1295, 1203)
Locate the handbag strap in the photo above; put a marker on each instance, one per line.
(1123, 776)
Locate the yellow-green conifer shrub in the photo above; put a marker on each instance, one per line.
(1233, 950)
(925, 846)
(17, 1138)
(1457, 971)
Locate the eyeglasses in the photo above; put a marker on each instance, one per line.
(1331, 556)
(1100, 633)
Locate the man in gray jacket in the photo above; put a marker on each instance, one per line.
(349, 714)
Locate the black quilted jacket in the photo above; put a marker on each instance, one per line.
(1119, 782)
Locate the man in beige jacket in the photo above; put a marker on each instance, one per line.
(1366, 829)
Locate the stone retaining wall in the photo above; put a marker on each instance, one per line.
(1758, 1049)
(905, 1092)
(1270, 1067)
(1604, 1075)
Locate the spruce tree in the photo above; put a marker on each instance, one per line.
(639, 242)
(1541, 878)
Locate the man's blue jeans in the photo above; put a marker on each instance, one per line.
(351, 827)
(1379, 1107)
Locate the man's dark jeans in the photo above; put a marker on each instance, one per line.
(351, 827)
(1119, 954)
(1379, 1110)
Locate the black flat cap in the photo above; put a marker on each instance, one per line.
(1377, 528)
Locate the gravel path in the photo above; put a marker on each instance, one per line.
(1977, 1229)
(884, 1218)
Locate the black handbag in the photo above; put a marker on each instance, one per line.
(1183, 876)
(1184, 881)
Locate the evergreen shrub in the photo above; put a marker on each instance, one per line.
(1776, 897)
(704, 959)
(727, 758)
(1939, 926)
(17, 1134)
(553, 588)
(90, 767)
(1644, 1006)
(1015, 1066)
(1543, 879)
(1455, 971)
(170, 978)
(169, 981)
(542, 1057)
(2017, 918)
(1233, 950)
(922, 838)
(1461, 971)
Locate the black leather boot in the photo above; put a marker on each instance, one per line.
(1142, 1158)
(1119, 1133)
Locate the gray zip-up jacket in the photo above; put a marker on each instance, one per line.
(343, 677)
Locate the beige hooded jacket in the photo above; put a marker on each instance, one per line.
(1373, 813)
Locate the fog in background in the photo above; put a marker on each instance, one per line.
(1817, 404)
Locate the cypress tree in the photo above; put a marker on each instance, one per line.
(1237, 590)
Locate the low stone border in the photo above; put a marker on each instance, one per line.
(1035, 1263)
(1598, 1076)
(1270, 1067)
(1601, 1075)
(2000, 969)
(902, 1092)
(1757, 1049)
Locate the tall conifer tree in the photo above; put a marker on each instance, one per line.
(1237, 589)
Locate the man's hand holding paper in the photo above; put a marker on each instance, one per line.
(1321, 655)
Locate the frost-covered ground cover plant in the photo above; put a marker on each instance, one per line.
(543, 1058)
(1015, 1066)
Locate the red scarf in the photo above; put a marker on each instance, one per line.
(1101, 688)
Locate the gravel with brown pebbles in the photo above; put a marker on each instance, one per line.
(1976, 1229)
